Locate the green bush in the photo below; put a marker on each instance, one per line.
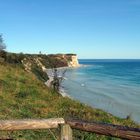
(21, 94)
(41, 75)
(3, 54)
(12, 58)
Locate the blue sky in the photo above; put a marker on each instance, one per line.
(90, 28)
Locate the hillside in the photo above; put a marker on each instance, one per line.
(23, 95)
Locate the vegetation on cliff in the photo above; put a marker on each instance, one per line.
(23, 95)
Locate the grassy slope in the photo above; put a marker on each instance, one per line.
(22, 95)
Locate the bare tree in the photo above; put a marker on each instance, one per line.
(56, 75)
(2, 45)
(57, 79)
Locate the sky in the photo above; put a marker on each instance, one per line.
(98, 29)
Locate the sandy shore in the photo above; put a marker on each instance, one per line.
(61, 68)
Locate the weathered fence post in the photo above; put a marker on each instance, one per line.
(30, 124)
(66, 132)
(106, 129)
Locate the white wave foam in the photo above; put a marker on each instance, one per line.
(63, 92)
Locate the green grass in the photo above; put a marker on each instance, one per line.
(23, 96)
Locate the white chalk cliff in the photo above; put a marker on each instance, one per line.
(73, 60)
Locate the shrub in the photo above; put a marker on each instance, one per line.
(21, 94)
(3, 54)
(40, 73)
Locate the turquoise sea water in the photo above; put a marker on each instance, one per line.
(111, 85)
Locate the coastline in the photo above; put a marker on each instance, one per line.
(101, 87)
(49, 72)
(42, 103)
(64, 92)
(61, 91)
(66, 67)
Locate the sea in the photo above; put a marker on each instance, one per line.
(110, 85)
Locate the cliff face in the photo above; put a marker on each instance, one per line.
(38, 63)
(66, 60)
(49, 61)
(72, 60)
